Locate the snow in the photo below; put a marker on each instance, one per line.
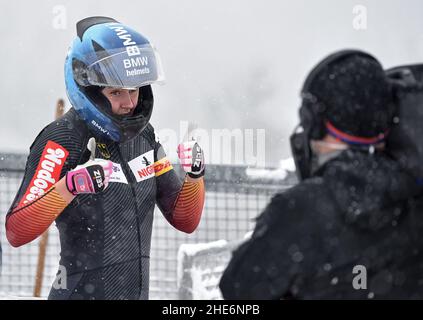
(10, 297)
(193, 249)
(287, 164)
(189, 250)
(280, 173)
(197, 275)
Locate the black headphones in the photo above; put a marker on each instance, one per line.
(312, 115)
(312, 110)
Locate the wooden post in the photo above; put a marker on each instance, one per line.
(60, 109)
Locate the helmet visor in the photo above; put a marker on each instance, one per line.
(127, 67)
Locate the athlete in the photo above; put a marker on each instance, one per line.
(99, 171)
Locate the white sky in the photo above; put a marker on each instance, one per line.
(228, 63)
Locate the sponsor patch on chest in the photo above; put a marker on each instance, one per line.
(143, 166)
(117, 174)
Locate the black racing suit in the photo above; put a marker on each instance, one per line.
(312, 241)
(105, 238)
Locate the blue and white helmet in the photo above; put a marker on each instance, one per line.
(107, 53)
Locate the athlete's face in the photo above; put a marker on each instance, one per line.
(123, 101)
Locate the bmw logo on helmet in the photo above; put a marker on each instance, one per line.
(107, 53)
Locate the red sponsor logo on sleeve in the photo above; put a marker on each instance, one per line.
(48, 171)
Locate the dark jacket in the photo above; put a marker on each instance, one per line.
(358, 211)
(105, 238)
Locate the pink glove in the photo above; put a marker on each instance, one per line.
(192, 158)
(90, 177)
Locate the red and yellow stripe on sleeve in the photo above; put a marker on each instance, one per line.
(25, 223)
(162, 166)
(189, 206)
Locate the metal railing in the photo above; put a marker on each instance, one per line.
(233, 200)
